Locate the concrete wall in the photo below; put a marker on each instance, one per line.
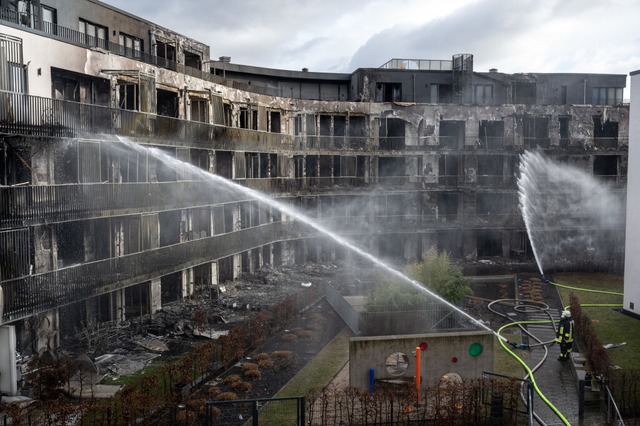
(632, 246)
(445, 353)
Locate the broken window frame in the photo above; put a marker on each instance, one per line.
(192, 59)
(532, 128)
(128, 96)
(275, 121)
(166, 54)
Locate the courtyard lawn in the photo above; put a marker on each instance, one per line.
(610, 325)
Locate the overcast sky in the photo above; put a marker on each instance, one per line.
(590, 36)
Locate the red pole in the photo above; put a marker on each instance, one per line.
(418, 374)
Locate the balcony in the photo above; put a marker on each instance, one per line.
(33, 294)
(33, 205)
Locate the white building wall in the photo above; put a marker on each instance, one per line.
(632, 245)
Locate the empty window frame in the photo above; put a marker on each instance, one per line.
(565, 136)
(227, 113)
(524, 93)
(128, 96)
(392, 134)
(606, 167)
(166, 54)
(243, 118)
(607, 95)
(490, 170)
(491, 134)
(274, 122)
(95, 34)
(451, 134)
(483, 94)
(489, 243)
(441, 93)
(133, 46)
(357, 132)
(192, 60)
(535, 132)
(389, 92)
(605, 133)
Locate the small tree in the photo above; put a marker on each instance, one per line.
(438, 274)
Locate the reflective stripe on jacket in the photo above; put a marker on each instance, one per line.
(565, 330)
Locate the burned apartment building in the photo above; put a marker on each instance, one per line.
(399, 158)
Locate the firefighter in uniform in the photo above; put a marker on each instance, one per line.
(564, 335)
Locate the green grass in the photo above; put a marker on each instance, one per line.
(610, 326)
(321, 370)
(504, 363)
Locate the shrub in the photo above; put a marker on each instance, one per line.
(249, 366)
(289, 337)
(227, 396)
(265, 363)
(242, 386)
(281, 354)
(253, 374)
(214, 391)
(305, 334)
(282, 359)
(230, 379)
(261, 356)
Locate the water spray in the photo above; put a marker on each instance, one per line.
(303, 219)
(570, 216)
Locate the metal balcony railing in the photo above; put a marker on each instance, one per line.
(76, 37)
(419, 64)
(31, 294)
(31, 205)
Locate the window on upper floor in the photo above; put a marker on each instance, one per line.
(227, 113)
(483, 94)
(25, 11)
(192, 60)
(128, 96)
(199, 109)
(607, 96)
(524, 93)
(133, 46)
(49, 20)
(535, 132)
(441, 93)
(95, 35)
(166, 54)
(274, 121)
(388, 92)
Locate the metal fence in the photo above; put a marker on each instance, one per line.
(253, 412)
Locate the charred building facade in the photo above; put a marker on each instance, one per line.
(399, 158)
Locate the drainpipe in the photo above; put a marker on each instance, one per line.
(414, 87)
(584, 91)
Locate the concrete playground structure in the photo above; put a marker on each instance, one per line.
(393, 360)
